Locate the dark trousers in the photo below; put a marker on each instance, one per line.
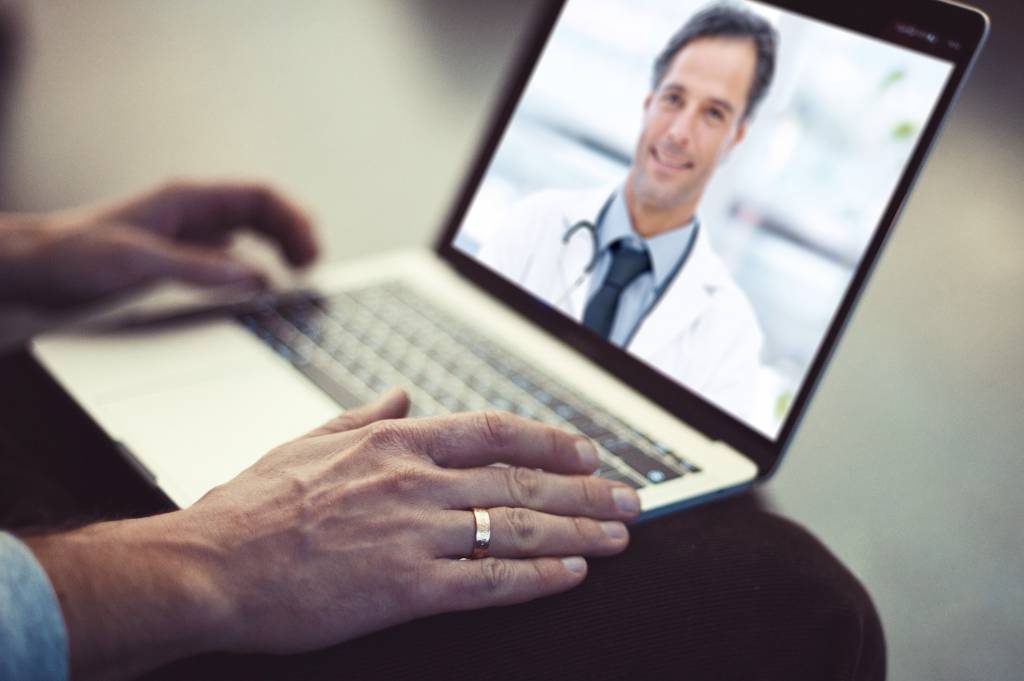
(723, 591)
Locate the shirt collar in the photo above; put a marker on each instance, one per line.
(666, 249)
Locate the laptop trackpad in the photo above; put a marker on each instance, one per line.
(195, 406)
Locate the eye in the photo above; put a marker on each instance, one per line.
(672, 99)
(716, 114)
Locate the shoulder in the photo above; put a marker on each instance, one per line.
(574, 204)
(533, 224)
(544, 214)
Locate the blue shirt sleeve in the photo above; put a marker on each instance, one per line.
(33, 640)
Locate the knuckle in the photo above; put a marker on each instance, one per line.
(554, 436)
(496, 427)
(384, 435)
(495, 575)
(424, 440)
(522, 531)
(523, 486)
(586, 530)
(542, 577)
(260, 194)
(589, 494)
(405, 479)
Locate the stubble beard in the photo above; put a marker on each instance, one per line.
(650, 197)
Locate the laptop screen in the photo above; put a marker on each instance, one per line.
(697, 184)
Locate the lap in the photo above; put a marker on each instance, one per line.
(722, 591)
(726, 590)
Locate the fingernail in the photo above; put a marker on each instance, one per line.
(587, 453)
(626, 500)
(574, 564)
(614, 530)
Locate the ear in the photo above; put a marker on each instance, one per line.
(647, 101)
(741, 134)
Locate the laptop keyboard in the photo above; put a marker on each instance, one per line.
(357, 344)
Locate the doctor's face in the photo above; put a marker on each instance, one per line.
(691, 122)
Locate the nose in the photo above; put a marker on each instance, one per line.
(680, 130)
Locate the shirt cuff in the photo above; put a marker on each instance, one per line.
(33, 638)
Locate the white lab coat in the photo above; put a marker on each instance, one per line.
(703, 332)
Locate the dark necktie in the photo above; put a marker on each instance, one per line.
(626, 266)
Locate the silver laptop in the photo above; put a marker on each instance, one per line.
(666, 228)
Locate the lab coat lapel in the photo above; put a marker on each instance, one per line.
(685, 300)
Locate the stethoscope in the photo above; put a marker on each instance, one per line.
(594, 229)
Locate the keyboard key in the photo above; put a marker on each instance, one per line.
(331, 385)
(647, 466)
(452, 404)
(542, 396)
(617, 476)
(356, 344)
(565, 411)
(591, 429)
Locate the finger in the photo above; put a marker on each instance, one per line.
(274, 216)
(472, 584)
(482, 438)
(195, 211)
(154, 257)
(211, 240)
(392, 405)
(524, 533)
(223, 206)
(575, 495)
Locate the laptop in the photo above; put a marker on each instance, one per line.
(664, 232)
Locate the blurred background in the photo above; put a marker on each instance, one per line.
(907, 465)
(793, 207)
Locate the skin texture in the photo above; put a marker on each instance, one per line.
(692, 120)
(356, 526)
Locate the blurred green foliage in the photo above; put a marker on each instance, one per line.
(904, 130)
(895, 76)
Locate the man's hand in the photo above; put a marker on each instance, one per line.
(352, 528)
(178, 232)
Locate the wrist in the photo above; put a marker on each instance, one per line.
(134, 594)
(23, 241)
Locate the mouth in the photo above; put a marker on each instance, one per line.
(671, 161)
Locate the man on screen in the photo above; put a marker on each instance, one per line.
(647, 279)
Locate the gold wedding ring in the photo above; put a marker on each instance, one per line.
(482, 539)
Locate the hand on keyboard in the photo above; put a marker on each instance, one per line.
(356, 343)
(359, 525)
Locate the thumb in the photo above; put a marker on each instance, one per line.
(198, 265)
(393, 405)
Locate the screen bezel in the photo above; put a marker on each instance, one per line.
(876, 19)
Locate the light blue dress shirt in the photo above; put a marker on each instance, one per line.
(667, 251)
(33, 640)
